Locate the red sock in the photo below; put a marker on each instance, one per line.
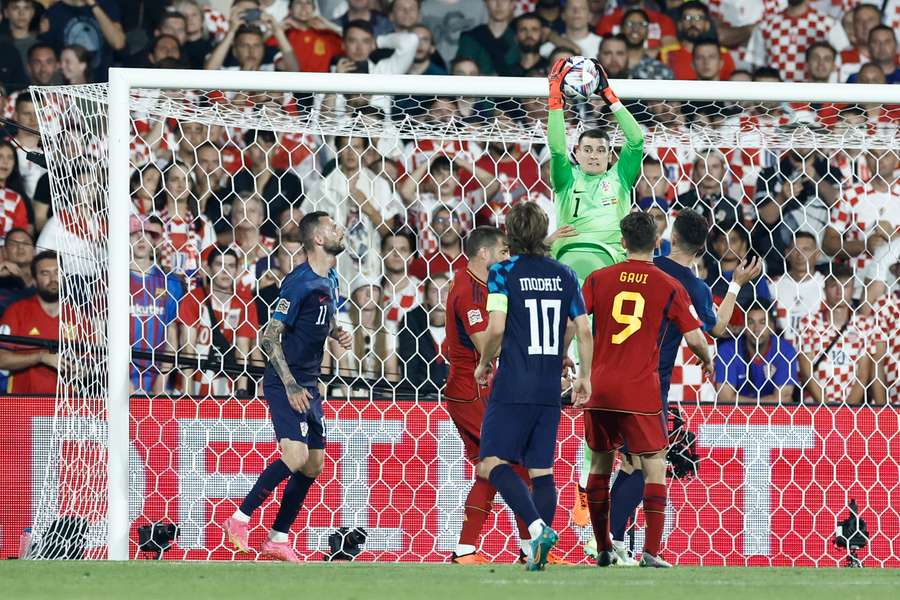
(654, 516)
(478, 507)
(598, 505)
(522, 472)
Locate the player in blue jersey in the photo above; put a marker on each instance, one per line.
(530, 299)
(294, 340)
(689, 234)
(154, 306)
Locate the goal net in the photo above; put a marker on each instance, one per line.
(175, 206)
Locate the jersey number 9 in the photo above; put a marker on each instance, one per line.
(633, 320)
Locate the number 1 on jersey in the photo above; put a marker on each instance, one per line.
(633, 321)
(549, 310)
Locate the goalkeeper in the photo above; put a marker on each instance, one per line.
(591, 198)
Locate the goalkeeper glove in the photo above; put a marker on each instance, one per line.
(603, 88)
(557, 76)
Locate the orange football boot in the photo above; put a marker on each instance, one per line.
(581, 516)
(475, 558)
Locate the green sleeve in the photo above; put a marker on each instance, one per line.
(561, 175)
(632, 154)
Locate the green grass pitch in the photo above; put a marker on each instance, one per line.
(318, 581)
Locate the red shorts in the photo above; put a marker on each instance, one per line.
(467, 416)
(606, 430)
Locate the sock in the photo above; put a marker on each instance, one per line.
(624, 498)
(266, 483)
(515, 493)
(585, 466)
(598, 505)
(478, 507)
(522, 526)
(278, 537)
(291, 500)
(654, 516)
(241, 516)
(536, 528)
(543, 493)
(525, 545)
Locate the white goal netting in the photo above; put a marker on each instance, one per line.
(784, 439)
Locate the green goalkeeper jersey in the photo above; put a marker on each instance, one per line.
(593, 204)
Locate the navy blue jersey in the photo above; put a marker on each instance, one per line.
(702, 301)
(306, 305)
(538, 295)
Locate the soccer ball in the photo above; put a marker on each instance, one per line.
(582, 80)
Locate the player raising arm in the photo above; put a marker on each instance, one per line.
(633, 303)
(590, 196)
(294, 341)
(530, 299)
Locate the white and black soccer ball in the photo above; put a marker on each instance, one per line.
(582, 80)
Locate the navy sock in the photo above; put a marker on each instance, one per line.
(514, 492)
(625, 497)
(543, 492)
(266, 483)
(291, 501)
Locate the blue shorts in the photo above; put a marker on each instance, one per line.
(520, 433)
(307, 427)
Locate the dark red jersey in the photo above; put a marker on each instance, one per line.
(633, 304)
(466, 315)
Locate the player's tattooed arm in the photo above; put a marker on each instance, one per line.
(271, 345)
(298, 397)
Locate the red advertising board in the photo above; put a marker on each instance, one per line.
(772, 483)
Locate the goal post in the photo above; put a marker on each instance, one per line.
(124, 96)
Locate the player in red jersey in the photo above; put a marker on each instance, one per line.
(633, 304)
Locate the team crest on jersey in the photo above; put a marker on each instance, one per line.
(304, 429)
(474, 316)
(159, 293)
(604, 186)
(283, 306)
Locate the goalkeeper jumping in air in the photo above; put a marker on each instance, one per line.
(592, 198)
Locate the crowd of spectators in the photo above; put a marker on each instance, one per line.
(215, 208)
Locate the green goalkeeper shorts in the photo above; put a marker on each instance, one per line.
(585, 261)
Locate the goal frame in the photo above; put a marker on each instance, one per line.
(123, 81)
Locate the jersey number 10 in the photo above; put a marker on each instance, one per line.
(544, 325)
